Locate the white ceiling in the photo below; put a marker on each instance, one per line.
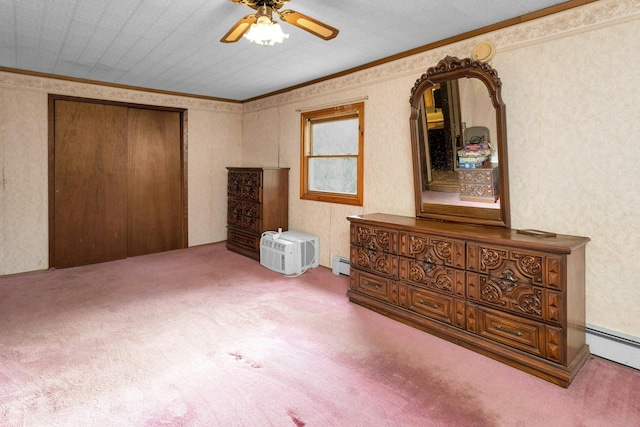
(173, 45)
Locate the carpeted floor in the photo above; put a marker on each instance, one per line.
(206, 337)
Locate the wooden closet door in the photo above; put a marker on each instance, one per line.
(90, 207)
(155, 181)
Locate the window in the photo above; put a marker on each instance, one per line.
(331, 154)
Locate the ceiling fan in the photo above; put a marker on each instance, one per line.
(264, 12)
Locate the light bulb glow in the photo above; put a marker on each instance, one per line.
(266, 32)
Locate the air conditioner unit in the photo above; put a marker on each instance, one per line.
(290, 253)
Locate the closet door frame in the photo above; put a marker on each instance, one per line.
(51, 160)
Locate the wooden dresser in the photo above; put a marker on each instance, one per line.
(258, 201)
(480, 185)
(517, 298)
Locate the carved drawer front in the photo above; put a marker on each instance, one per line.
(247, 223)
(249, 242)
(479, 184)
(251, 224)
(252, 210)
(433, 249)
(245, 185)
(432, 276)
(234, 187)
(234, 214)
(523, 334)
(436, 306)
(375, 286)
(375, 261)
(374, 238)
(517, 297)
(238, 209)
(517, 265)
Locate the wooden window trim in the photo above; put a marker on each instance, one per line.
(355, 110)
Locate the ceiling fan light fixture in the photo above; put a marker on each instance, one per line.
(266, 34)
(265, 30)
(260, 27)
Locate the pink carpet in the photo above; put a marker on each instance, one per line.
(206, 337)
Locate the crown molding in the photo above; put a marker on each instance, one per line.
(39, 82)
(558, 21)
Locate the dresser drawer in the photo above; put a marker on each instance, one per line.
(480, 184)
(433, 249)
(375, 261)
(374, 238)
(518, 298)
(432, 276)
(247, 223)
(243, 240)
(524, 334)
(434, 305)
(516, 265)
(244, 215)
(245, 185)
(375, 286)
(240, 207)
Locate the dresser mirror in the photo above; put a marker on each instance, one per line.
(459, 144)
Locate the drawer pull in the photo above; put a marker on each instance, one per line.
(507, 281)
(427, 259)
(509, 330)
(429, 304)
(427, 263)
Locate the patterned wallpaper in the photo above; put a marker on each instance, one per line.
(213, 141)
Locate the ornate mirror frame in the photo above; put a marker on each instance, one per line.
(448, 69)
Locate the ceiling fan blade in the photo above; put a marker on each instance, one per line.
(237, 31)
(309, 24)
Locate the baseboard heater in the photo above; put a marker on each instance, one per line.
(614, 346)
(340, 265)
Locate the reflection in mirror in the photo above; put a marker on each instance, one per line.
(453, 146)
(459, 144)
